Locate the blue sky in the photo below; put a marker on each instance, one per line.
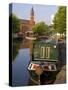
(41, 12)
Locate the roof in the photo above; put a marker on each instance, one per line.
(24, 21)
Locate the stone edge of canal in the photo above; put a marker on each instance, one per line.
(61, 76)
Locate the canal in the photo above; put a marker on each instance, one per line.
(21, 59)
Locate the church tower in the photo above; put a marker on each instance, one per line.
(32, 14)
(32, 18)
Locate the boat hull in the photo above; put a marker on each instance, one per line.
(47, 77)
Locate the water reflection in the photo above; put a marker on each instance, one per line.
(21, 58)
(15, 50)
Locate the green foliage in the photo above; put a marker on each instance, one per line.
(14, 22)
(60, 20)
(40, 28)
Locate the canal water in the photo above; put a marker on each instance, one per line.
(20, 73)
(21, 59)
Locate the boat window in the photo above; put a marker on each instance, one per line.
(47, 52)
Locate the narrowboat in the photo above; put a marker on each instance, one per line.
(44, 64)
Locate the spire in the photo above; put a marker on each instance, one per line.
(32, 12)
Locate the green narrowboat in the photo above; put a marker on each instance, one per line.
(43, 66)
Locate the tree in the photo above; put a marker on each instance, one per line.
(40, 28)
(14, 21)
(60, 20)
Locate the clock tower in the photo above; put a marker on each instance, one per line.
(32, 18)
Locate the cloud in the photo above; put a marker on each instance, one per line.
(52, 17)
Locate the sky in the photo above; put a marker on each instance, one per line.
(41, 12)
